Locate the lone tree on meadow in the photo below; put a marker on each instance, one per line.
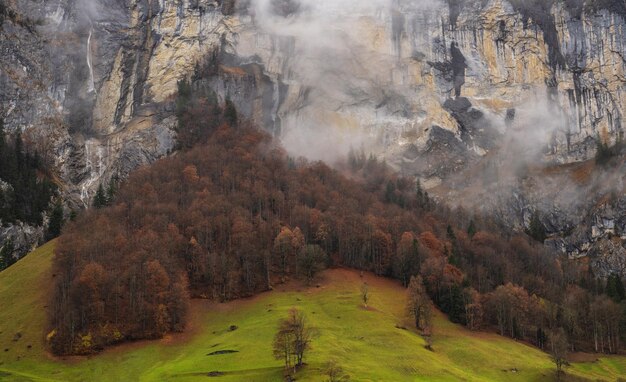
(335, 373)
(558, 350)
(292, 340)
(365, 294)
(419, 305)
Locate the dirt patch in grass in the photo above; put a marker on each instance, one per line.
(220, 352)
(582, 357)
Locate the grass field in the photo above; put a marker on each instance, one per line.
(365, 342)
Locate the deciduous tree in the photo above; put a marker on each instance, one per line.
(292, 340)
(558, 350)
(365, 294)
(419, 305)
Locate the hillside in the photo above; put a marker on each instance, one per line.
(366, 343)
(236, 216)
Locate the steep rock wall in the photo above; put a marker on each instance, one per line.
(89, 76)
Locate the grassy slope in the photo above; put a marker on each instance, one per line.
(365, 342)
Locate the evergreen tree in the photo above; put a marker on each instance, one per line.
(27, 196)
(419, 193)
(450, 233)
(19, 147)
(422, 197)
(111, 190)
(536, 230)
(230, 112)
(471, 229)
(353, 161)
(453, 304)
(100, 199)
(390, 192)
(541, 337)
(615, 288)
(184, 96)
(56, 221)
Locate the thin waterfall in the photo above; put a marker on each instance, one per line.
(89, 64)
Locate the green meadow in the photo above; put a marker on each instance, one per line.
(369, 344)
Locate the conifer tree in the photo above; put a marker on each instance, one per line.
(56, 221)
(536, 229)
(230, 112)
(471, 229)
(615, 288)
(100, 199)
(111, 190)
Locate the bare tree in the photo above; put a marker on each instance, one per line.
(302, 334)
(558, 350)
(335, 373)
(473, 308)
(365, 293)
(283, 346)
(292, 340)
(419, 305)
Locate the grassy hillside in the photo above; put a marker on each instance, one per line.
(366, 343)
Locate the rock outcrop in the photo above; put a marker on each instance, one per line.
(20, 238)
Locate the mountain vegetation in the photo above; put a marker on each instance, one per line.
(26, 191)
(236, 215)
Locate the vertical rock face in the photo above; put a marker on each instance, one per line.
(90, 79)
(90, 76)
(434, 86)
(388, 67)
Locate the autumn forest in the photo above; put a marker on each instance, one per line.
(231, 215)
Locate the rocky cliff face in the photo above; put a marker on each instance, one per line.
(440, 89)
(89, 80)
(407, 60)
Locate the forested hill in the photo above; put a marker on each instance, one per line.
(235, 216)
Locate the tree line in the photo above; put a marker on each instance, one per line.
(235, 215)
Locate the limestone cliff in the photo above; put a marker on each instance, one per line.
(89, 80)
(93, 76)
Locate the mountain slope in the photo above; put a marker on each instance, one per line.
(366, 343)
(23, 298)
